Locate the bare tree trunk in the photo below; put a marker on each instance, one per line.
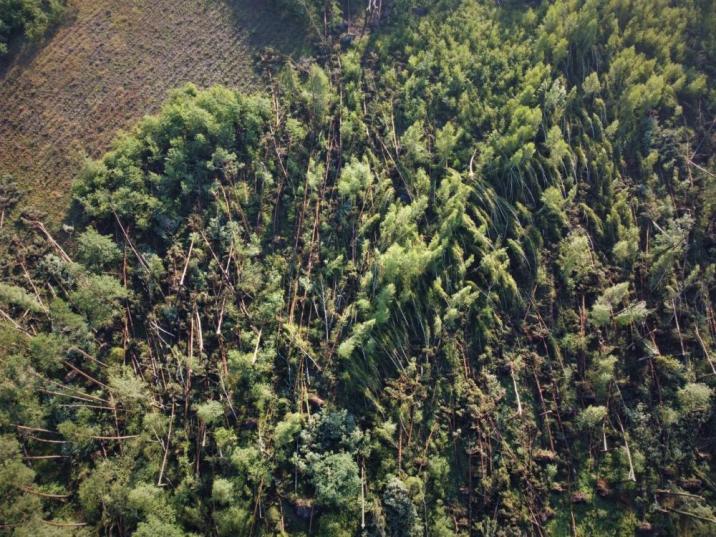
(517, 393)
(186, 264)
(166, 447)
(362, 496)
(632, 476)
(200, 332)
(41, 227)
(705, 349)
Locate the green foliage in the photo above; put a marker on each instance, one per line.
(129, 388)
(592, 416)
(154, 526)
(336, 480)
(17, 505)
(98, 298)
(455, 278)
(97, 251)
(695, 398)
(222, 491)
(355, 179)
(334, 526)
(18, 297)
(210, 412)
(575, 259)
(317, 94)
(286, 430)
(29, 17)
(192, 126)
(400, 512)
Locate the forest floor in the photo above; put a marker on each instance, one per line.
(110, 63)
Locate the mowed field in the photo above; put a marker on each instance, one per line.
(109, 64)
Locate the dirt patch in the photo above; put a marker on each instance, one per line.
(112, 62)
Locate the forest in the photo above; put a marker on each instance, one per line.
(453, 275)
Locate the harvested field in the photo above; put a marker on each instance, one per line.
(112, 62)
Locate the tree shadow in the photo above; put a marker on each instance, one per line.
(267, 27)
(21, 51)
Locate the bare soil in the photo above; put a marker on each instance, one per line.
(110, 63)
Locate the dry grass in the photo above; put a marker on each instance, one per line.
(112, 62)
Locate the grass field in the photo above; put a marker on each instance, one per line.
(108, 64)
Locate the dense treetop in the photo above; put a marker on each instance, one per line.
(28, 18)
(453, 278)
